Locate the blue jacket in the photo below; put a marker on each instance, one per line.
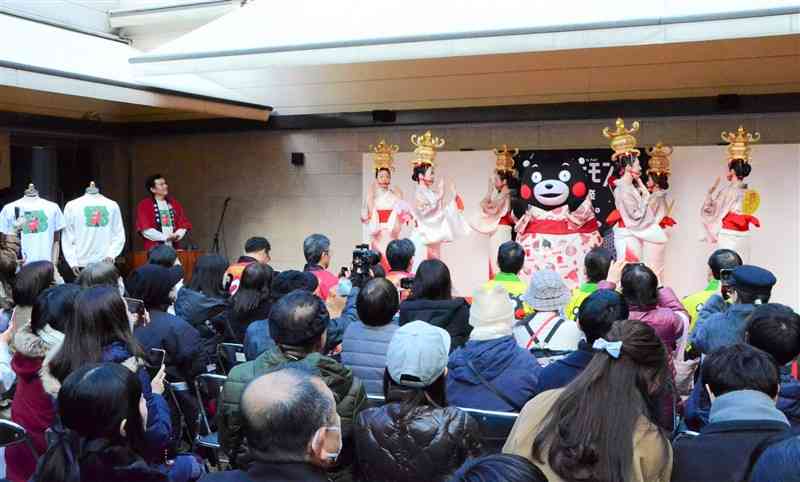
(159, 424)
(364, 351)
(257, 339)
(561, 372)
(719, 324)
(512, 370)
(698, 404)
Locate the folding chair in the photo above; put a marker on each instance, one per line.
(494, 427)
(14, 434)
(229, 355)
(208, 387)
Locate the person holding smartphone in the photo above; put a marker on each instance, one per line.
(720, 266)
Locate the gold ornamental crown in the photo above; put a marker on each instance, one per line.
(738, 141)
(659, 162)
(426, 147)
(505, 159)
(622, 139)
(383, 155)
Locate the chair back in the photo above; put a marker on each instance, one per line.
(229, 355)
(207, 389)
(494, 427)
(374, 400)
(14, 434)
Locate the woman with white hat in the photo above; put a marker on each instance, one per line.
(547, 333)
(491, 372)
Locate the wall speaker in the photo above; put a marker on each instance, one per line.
(298, 158)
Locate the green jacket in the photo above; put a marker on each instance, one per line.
(347, 390)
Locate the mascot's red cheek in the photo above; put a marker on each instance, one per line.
(578, 190)
(525, 192)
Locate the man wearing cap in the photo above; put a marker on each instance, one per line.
(547, 334)
(298, 324)
(415, 435)
(719, 324)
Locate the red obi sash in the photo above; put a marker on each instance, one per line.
(739, 222)
(507, 220)
(550, 226)
(667, 222)
(615, 218)
(383, 215)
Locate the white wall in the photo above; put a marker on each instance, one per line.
(776, 175)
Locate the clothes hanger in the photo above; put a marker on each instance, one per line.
(92, 189)
(31, 191)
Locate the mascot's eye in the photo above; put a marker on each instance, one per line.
(536, 177)
(565, 176)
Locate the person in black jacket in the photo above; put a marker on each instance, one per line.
(743, 383)
(185, 356)
(250, 303)
(432, 301)
(415, 436)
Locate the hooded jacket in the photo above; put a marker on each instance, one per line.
(32, 407)
(159, 426)
(451, 315)
(205, 313)
(348, 392)
(510, 369)
(428, 444)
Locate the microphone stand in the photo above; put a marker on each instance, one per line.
(215, 245)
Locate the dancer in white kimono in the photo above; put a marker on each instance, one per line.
(495, 218)
(384, 212)
(658, 172)
(728, 212)
(438, 209)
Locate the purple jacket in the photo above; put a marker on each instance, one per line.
(667, 317)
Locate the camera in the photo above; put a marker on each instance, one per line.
(363, 261)
(407, 283)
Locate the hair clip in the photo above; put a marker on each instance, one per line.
(613, 348)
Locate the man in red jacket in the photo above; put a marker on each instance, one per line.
(160, 218)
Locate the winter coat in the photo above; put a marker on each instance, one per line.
(271, 472)
(238, 326)
(159, 427)
(722, 451)
(428, 444)
(561, 372)
(667, 317)
(257, 339)
(720, 324)
(364, 351)
(511, 370)
(452, 315)
(185, 357)
(652, 454)
(347, 390)
(205, 313)
(32, 407)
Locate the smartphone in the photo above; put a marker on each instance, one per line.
(156, 357)
(135, 306)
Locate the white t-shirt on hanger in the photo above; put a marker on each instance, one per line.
(94, 230)
(42, 219)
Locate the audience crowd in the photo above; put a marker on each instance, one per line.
(236, 372)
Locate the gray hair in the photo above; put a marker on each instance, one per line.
(314, 246)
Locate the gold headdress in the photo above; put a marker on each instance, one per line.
(383, 157)
(659, 162)
(426, 148)
(738, 147)
(622, 140)
(505, 159)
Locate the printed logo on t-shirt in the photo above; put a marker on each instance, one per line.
(35, 222)
(166, 219)
(95, 216)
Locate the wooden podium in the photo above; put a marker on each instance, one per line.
(188, 259)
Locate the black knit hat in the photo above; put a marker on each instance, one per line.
(287, 281)
(298, 318)
(152, 283)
